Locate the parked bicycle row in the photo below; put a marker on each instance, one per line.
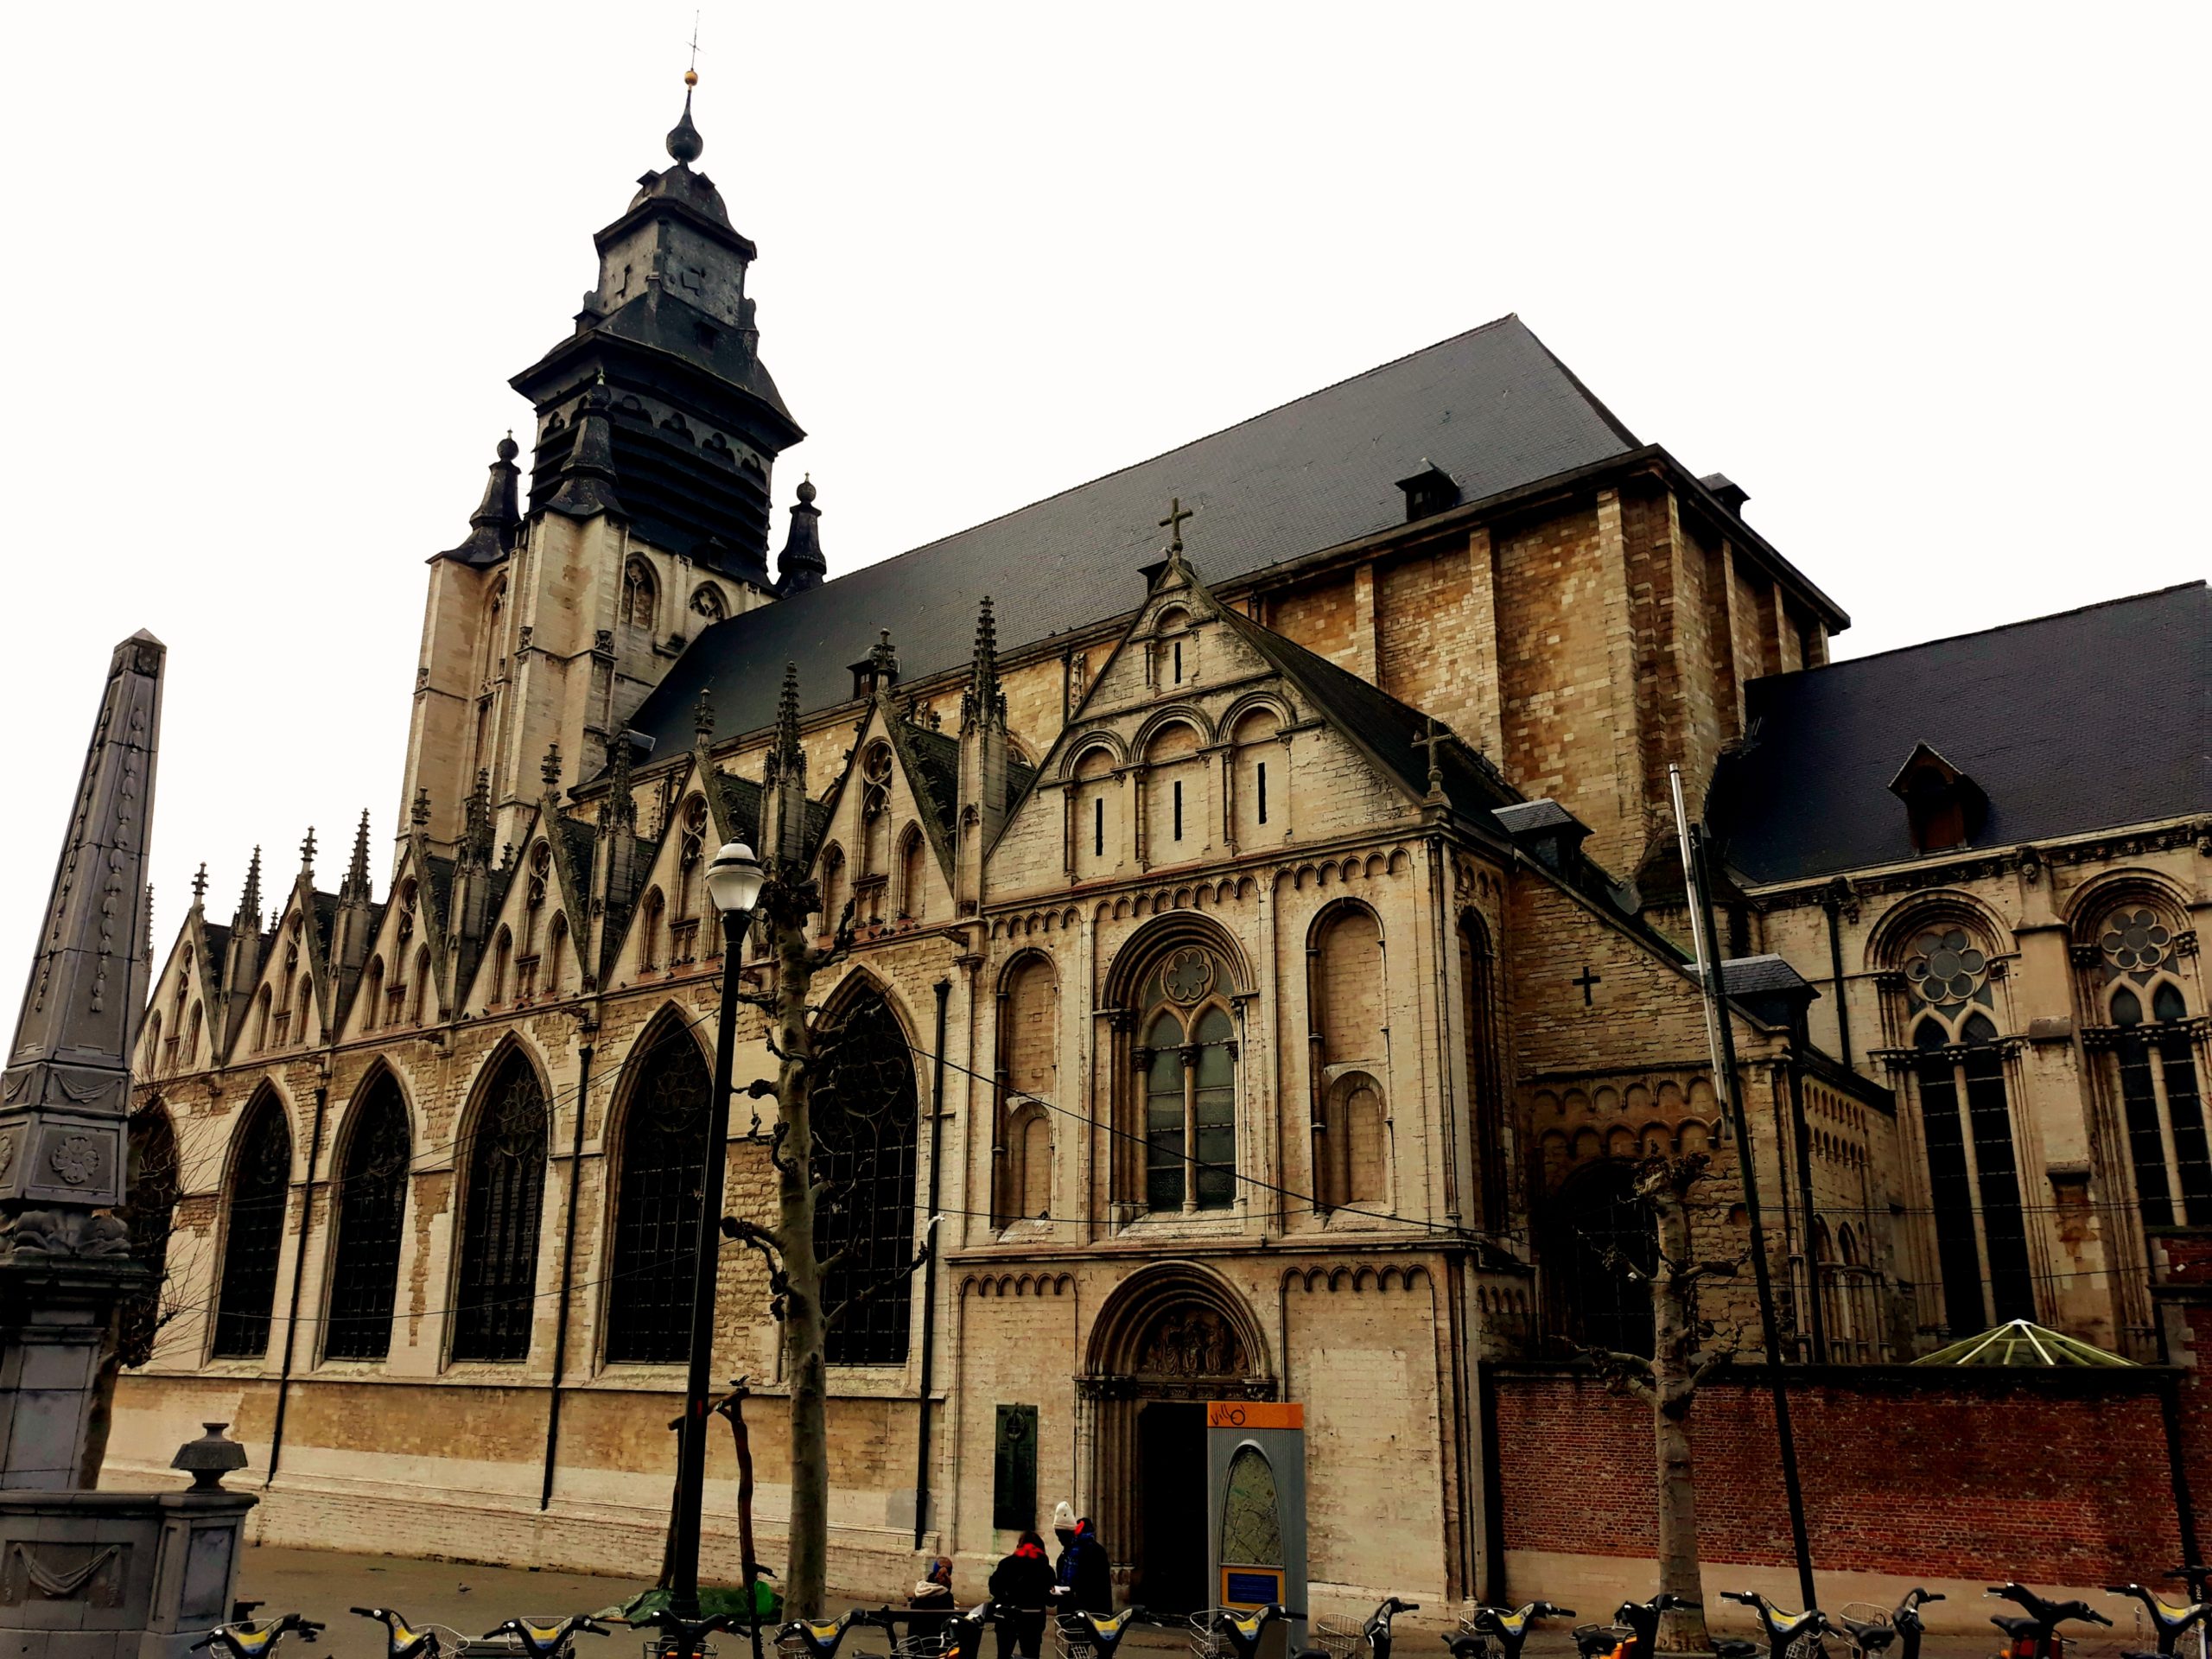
(2038, 1631)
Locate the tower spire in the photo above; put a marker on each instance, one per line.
(983, 700)
(800, 565)
(492, 526)
(685, 143)
(357, 868)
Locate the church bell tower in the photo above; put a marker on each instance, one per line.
(656, 431)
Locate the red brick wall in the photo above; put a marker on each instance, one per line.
(2054, 1477)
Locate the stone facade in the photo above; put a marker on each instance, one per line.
(1252, 1054)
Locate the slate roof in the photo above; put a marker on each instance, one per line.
(2085, 721)
(1492, 407)
(1546, 814)
(1751, 976)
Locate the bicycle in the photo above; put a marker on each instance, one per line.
(1500, 1632)
(1870, 1637)
(1341, 1640)
(680, 1638)
(1634, 1632)
(404, 1641)
(1226, 1633)
(1095, 1636)
(539, 1639)
(247, 1639)
(2172, 1622)
(2036, 1636)
(811, 1638)
(1788, 1636)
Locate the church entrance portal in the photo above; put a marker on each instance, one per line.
(1167, 1341)
(1172, 1483)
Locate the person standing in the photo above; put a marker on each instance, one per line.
(1022, 1586)
(1084, 1576)
(929, 1609)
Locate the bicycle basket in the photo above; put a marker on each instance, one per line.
(1337, 1636)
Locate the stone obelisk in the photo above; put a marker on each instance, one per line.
(65, 1098)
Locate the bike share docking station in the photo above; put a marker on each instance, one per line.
(1255, 1508)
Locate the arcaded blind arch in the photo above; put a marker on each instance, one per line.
(913, 878)
(1096, 825)
(865, 1121)
(1029, 1086)
(253, 1231)
(661, 1164)
(1175, 795)
(501, 1209)
(371, 1207)
(832, 886)
(1262, 778)
(1948, 1008)
(1347, 991)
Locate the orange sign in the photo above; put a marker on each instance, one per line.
(1254, 1414)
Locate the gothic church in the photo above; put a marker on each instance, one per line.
(1271, 946)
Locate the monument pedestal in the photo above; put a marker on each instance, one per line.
(116, 1575)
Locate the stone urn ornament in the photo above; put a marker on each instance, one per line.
(208, 1459)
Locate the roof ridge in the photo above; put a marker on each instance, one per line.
(1994, 627)
(1190, 443)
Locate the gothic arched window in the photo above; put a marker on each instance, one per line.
(1028, 1036)
(639, 598)
(148, 1209)
(373, 993)
(913, 880)
(260, 1182)
(1595, 1229)
(503, 954)
(650, 917)
(833, 889)
(1189, 1061)
(371, 1204)
(706, 603)
(865, 1117)
(656, 1205)
(1973, 1178)
(192, 1036)
(499, 1213)
(2155, 1060)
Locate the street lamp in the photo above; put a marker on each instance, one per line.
(733, 883)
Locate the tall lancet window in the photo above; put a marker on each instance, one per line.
(371, 1204)
(253, 1232)
(1973, 1177)
(661, 1166)
(2138, 974)
(500, 1214)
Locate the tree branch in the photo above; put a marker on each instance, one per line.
(861, 1298)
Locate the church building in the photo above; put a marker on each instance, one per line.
(1271, 958)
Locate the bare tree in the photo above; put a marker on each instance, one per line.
(1686, 1351)
(811, 1053)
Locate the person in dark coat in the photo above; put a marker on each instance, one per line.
(929, 1609)
(1022, 1586)
(1085, 1573)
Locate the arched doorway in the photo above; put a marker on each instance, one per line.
(1168, 1339)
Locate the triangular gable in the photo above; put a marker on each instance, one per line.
(169, 1040)
(299, 923)
(731, 815)
(392, 959)
(912, 797)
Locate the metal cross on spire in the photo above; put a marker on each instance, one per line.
(1432, 737)
(1173, 523)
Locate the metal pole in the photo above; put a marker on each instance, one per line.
(568, 1278)
(929, 1281)
(1717, 1026)
(691, 1454)
(299, 1266)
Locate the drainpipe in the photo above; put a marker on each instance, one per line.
(299, 1267)
(928, 1280)
(568, 1276)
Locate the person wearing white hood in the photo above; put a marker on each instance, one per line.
(1086, 1577)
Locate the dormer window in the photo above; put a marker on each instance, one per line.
(879, 670)
(1429, 492)
(1944, 808)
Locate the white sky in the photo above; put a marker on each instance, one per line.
(1929, 280)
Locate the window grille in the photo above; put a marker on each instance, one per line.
(1599, 1229)
(372, 1203)
(495, 1300)
(864, 1132)
(657, 1203)
(258, 1185)
(1972, 1172)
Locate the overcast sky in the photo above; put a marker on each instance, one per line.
(1929, 280)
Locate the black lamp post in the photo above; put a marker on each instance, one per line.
(733, 881)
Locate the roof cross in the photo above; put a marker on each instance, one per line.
(1173, 523)
(1432, 737)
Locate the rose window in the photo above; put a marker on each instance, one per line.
(2135, 941)
(1944, 968)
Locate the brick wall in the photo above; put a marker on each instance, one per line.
(2050, 1477)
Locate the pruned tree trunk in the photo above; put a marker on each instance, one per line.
(805, 1317)
(1673, 1391)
